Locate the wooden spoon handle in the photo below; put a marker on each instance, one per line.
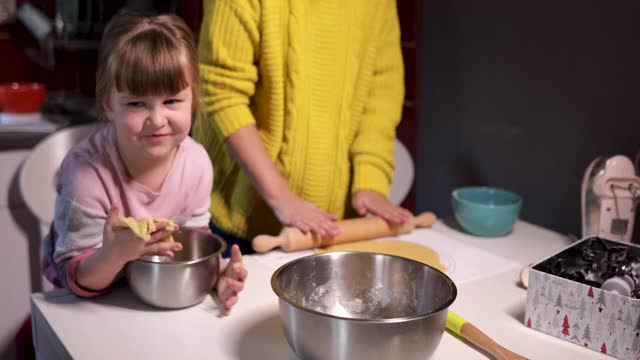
(484, 342)
(472, 334)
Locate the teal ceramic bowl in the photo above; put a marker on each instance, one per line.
(485, 211)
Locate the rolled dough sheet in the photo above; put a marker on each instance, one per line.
(402, 248)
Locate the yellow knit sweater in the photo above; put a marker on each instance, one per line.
(323, 83)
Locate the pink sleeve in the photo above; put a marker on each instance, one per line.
(71, 276)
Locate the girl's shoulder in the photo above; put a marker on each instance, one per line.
(193, 165)
(87, 168)
(90, 152)
(195, 153)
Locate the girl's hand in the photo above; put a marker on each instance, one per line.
(231, 279)
(370, 201)
(295, 211)
(124, 245)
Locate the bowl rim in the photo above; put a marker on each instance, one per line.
(456, 196)
(218, 238)
(23, 86)
(281, 296)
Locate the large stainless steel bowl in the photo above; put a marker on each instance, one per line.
(356, 305)
(181, 281)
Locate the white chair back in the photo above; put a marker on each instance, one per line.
(403, 174)
(37, 180)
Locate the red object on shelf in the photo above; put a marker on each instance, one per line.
(22, 97)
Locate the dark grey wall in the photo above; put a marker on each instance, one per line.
(523, 95)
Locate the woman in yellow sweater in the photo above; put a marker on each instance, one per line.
(302, 99)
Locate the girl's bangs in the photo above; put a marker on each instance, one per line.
(150, 65)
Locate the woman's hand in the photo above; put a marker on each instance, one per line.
(231, 279)
(295, 211)
(370, 201)
(124, 245)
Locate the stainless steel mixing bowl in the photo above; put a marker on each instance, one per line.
(357, 305)
(181, 281)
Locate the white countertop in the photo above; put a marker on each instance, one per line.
(118, 326)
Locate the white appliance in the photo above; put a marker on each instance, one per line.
(610, 195)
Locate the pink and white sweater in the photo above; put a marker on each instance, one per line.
(93, 177)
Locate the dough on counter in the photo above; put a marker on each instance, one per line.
(402, 248)
(144, 227)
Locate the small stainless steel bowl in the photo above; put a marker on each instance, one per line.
(181, 281)
(358, 305)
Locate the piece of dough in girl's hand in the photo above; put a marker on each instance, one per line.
(144, 227)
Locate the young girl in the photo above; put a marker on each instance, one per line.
(141, 164)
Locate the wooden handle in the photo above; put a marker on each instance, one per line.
(484, 342)
(292, 239)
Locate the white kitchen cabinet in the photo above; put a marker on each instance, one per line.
(20, 252)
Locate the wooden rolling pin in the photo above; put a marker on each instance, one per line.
(293, 239)
(472, 334)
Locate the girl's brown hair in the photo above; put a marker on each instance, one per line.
(146, 55)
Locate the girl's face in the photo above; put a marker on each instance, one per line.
(150, 127)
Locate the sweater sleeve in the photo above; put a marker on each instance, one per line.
(229, 40)
(372, 149)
